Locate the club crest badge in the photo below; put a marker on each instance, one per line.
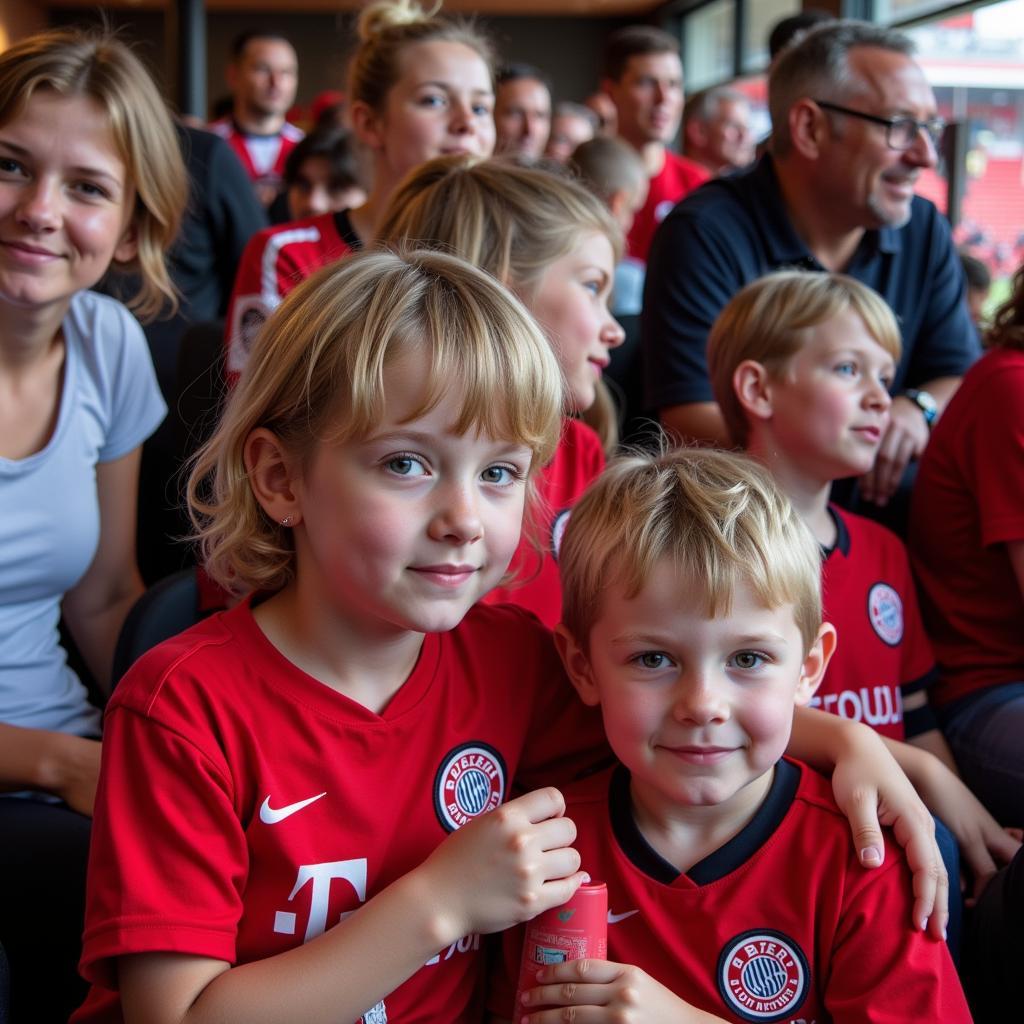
(763, 975)
(470, 781)
(885, 612)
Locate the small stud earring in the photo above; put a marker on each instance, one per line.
(288, 520)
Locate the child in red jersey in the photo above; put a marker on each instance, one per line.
(555, 245)
(420, 85)
(800, 364)
(693, 619)
(331, 744)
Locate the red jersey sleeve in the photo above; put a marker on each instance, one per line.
(158, 791)
(889, 975)
(270, 268)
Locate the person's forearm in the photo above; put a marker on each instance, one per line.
(30, 758)
(95, 630)
(941, 389)
(820, 738)
(335, 977)
(934, 743)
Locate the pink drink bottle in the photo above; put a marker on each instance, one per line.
(574, 931)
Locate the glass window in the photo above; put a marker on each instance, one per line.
(708, 58)
(761, 18)
(975, 64)
(888, 11)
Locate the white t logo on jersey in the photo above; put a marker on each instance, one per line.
(321, 875)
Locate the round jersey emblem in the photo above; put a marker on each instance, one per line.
(470, 782)
(763, 975)
(558, 525)
(885, 612)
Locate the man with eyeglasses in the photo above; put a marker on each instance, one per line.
(853, 124)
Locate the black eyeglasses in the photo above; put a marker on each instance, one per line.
(900, 132)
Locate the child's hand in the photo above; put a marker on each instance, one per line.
(507, 866)
(601, 992)
(984, 845)
(872, 790)
(905, 439)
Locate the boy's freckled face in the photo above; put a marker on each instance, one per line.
(698, 709)
(830, 405)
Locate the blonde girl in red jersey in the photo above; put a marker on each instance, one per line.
(290, 822)
(420, 86)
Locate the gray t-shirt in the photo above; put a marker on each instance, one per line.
(49, 511)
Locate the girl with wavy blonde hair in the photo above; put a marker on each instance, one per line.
(291, 823)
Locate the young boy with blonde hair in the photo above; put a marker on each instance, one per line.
(692, 616)
(800, 364)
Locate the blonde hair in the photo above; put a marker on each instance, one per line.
(510, 220)
(73, 63)
(718, 517)
(316, 374)
(767, 321)
(385, 29)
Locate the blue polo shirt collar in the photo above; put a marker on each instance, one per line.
(781, 240)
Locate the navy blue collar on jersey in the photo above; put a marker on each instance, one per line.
(726, 859)
(842, 536)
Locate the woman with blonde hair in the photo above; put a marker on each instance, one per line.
(420, 85)
(90, 178)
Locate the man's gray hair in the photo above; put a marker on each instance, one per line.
(703, 105)
(818, 66)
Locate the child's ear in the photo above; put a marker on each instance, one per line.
(752, 386)
(577, 666)
(272, 476)
(813, 669)
(618, 203)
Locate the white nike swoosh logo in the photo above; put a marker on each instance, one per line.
(271, 816)
(616, 918)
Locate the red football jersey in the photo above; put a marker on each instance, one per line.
(883, 652)
(968, 502)
(262, 156)
(677, 177)
(578, 460)
(244, 807)
(779, 924)
(273, 263)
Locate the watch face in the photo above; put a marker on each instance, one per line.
(925, 402)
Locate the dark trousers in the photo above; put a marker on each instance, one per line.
(44, 849)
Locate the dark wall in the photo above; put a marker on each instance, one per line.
(569, 49)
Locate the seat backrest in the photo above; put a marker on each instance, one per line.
(164, 610)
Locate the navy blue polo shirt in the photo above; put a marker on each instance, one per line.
(733, 230)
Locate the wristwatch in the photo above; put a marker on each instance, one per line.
(925, 402)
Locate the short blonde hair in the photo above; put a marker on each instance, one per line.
(718, 517)
(767, 322)
(511, 221)
(316, 374)
(385, 29)
(72, 62)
